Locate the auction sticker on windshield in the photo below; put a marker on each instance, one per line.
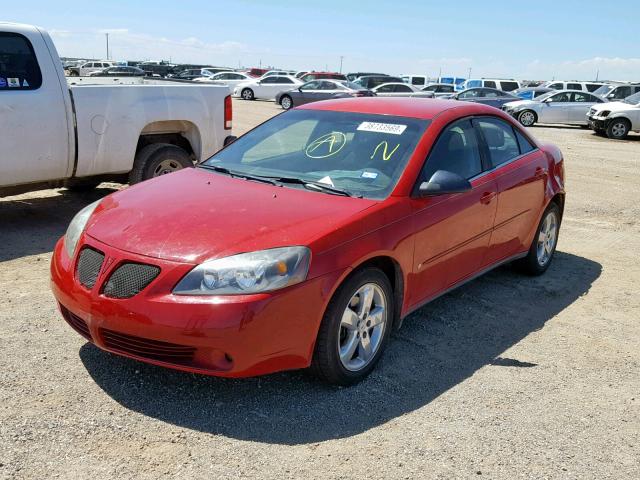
(392, 128)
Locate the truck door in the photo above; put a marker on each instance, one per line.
(34, 132)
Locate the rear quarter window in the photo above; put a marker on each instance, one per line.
(19, 69)
(509, 86)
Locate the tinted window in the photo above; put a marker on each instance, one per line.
(490, 84)
(402, 88)
(283, 80)
(361, 153)
(456, 150)
(524, 144)
(491, 93)
(418, 81)
(560, 97)
(19, 68)
(621, 92)
(500, 140)
(328, 86)
(509, 86)
(557, 86)
(592, 87)
(431, 88)
(473, 93)
(445, 88)
(315, 85)
(385, 89)
(268, 80)
(538, 93)
(574, 86)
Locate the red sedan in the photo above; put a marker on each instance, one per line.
(307, 240)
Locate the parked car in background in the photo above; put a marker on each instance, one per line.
(265, 87)
(457, 82)
(530, 93)
(395, 89)
(572, 85)
(59, 134)
(271, 73)
(210, 71)
(440, 89)
(504, 84)
(256, 72)
(157, 69)
(118, 72)
(616, 119)
(618, 91)
(230, 79)
(488, 96)
(355, 75)
(371, 81)
(301, 73)
(322, 76)
(316, 90)
(307, 240)
(190, 74)
(418, 81)
(565, 106)
(86, 68)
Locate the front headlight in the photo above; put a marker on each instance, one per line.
(246, 273)
(604, 113)
(76, 227)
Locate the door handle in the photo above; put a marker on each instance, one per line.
(487, 197)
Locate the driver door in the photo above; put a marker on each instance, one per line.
(555, 108)
(309, 92)
(452, 231)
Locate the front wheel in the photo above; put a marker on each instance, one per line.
(355, 328)
(286, 103)
(527, 118)
(618, 129)
(544, 243)
(247, 94)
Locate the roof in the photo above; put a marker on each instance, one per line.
(422, 108)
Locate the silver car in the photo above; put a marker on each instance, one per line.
(565, 106)
(397, 89)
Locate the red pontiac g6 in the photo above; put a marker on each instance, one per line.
(307, 240)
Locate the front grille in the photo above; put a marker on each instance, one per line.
(129, 279)
(78, 324)
(151, 349)
(89, 263)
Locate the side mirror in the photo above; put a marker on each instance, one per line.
(443, 181)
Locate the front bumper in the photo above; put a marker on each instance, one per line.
(233, 336)
(596, 123)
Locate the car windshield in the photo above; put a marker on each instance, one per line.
(359, 154)
(633, 99)
(603, 90)
(545, 96)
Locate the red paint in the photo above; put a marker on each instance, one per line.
(437, 242)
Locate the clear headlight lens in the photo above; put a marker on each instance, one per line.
(76, 227)
(246, 273)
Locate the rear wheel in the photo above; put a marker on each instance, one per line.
(527, 118)
(544, 243)
(247, 94)
(618, 128)
(355, 328)
(286, 102)
(158, 159)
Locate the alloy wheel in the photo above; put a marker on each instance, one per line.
(547, 238)
(166, 166)
(362, 327)
(527, 118)
(618, 129)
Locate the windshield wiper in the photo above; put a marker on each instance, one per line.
(317, 186)
(244, 176)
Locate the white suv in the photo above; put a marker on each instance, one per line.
(90, 67)
(573, 85)
(504, 84)
(616, 119)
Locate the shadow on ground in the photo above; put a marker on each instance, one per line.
(438, 347)
(33, 225)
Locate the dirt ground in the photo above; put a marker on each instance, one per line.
(507, 377)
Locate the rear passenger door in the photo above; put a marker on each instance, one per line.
(579, 106)
(520, 170)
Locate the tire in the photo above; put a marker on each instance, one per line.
(356, 363)
(618, 128)
(158, 159)
(286, 102)
(527, 118)
(541, 252)
(247, 94)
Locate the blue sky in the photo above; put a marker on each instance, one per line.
(521, 39)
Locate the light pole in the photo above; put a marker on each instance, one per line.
(341, 59)
(107, 36)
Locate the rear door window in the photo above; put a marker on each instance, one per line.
(19, 68)
(509, 86)
(592, 87)
(574, 86)
(490, 83)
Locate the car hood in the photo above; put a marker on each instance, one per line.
(195, 215)
(614, 106)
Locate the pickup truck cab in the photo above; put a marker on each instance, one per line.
(77, 132)
(616, 119)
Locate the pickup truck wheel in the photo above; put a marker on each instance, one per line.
(158, 159)
(527, 118)
(618, 128)
(247, 94)
(285, 102)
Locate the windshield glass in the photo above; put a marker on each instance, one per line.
(545, 96)
(633, 99)
(603, 90)
(361, 154)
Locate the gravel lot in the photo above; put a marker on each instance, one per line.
(507, 377)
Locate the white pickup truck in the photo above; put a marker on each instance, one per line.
(78, 132)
